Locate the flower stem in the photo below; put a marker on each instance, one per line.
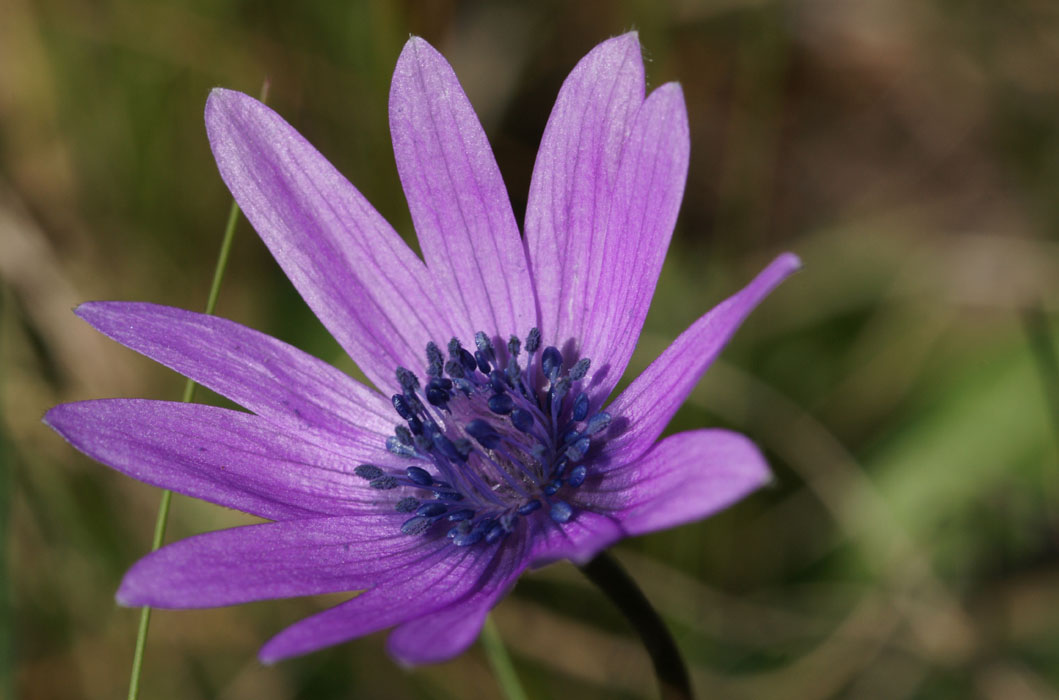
(500, 661)
(167, 496)
(616, 584)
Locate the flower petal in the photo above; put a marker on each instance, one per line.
(291, 389)
(646, 199)
(226, 457)
(642, 411)
(274, 560)
(446, 577)
(448, 632)
(578, 540)
(360, 279)
(573, 180)
(457, 198)
(684, 478)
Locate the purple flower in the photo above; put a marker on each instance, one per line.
(490, 445)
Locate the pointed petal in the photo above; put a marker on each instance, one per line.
(360, 279)
(628, 259)
(291, 389)
(573, 180)
(642, 411)
(441, 580)
(274, 560)
(457, 198)
(684, 478)
(226, 457)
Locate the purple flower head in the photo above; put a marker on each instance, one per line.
(489, 445)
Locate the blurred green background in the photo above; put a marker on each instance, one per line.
(903, 384)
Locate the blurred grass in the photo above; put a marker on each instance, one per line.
(909, 151)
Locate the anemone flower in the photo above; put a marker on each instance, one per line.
(488, 444)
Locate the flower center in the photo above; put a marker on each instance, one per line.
(494, 441)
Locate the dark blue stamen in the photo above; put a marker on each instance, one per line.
(551, 362)
(395, 446)
(580, 369)
(419, 476)
(468, 538)
(494, 533)
(384, 483)
(501, 404)
(580, 407)
(561, 512)
(403, 435)
(408, 380)
(368, 471)
(576, 451)
(416, 525)
(432, 510)
(523, 420)
(400, 404)
(527, 508)
(498, 381)
(435, 361)
(485, 346)
(483, 433)
(533, 340)
(439, 392)
(454, 369)
(596, 423)
(500, 440)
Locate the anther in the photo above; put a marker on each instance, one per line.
(483, 433)
(416, 525)
(577, 476)
(368, 471)
(580, 411)
(533, 340)
(501, 404)
(513, 345)
(432, 510)
(407, 505)
(408, 380)
(523, 420)
(435, 361)
(596, 423)
(551, 362)
(384, 483)
(400, 404)
(580, 369)
(419, 476)
(561, 512)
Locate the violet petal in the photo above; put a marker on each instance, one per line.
(573, 179)
(683, 478)
(360, 279)
(457, 198)
(291, 389)
(226, 457)
(648, 403)
(274, 560)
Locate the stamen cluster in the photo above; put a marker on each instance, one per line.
(494, 441)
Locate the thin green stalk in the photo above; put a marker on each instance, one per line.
(673, 679)
(500, 660)
(167, 496)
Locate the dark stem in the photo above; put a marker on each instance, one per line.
(673, 680)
